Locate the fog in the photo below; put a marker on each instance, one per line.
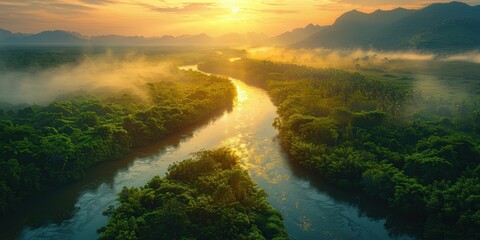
(97, 74)
(440, 81)
(473, 57)
(350, 58)
(332, 58)
(128, 72)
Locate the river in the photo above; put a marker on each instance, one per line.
(312, 210)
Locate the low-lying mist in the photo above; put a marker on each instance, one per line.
(351, 58)
(434, 76)
(332, 58)
(473, 57)
(97, 74)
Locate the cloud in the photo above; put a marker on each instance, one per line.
(158, 17)
(274, 3)
(52, 7)
(186, 8)
(69, 6)
(97, 2)
(278, 11)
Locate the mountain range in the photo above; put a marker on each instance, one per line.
(439, 27)
(453, 26)
(59, 37)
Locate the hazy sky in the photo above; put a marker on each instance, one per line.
(160, 17)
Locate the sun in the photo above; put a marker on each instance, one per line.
(235, 9)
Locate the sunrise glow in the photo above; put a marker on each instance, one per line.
(169, 17)
(235, 10)
(236, 119)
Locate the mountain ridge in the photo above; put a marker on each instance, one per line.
(296, 35)
(438, 27)
(399, 29)
(61, 37)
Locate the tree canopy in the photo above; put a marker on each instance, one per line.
(207, 197)
(418, 154)
(44, 146)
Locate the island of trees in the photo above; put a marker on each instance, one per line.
(417, 153)
(42, 147)
(207, 197)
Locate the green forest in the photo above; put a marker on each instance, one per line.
(42, 147)
(207, 197)
(240, 120)
(372, 132)
(416, 152)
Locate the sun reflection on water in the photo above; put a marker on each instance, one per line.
(242, 94)
(238, 145)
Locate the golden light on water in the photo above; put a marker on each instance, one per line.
(238, 145)
(242, 94)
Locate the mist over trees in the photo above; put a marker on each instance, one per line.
(43, 147)
(386, 107)
(419, 155)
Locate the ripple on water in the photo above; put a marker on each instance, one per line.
(309, 211)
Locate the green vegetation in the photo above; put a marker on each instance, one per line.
(207, 197)
(418, 153)
(22, 58)
(25, 58)
(44, 146)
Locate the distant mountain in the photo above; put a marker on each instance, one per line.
(56, 37)
(449, 35)
(4, 34)
(438, 27)
(117, 40)
(59, 37)
(447, 27)
(296, 35)
(184, 40)
(354, 29)
(250, 38)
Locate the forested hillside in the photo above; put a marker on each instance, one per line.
(207, 197)
(417, 153)
(440, 27)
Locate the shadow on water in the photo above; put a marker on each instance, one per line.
(312, 209)
(59, 205)
(396, 225)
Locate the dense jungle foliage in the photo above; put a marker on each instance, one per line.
(207, 197)
(418, 152)
(44, 146)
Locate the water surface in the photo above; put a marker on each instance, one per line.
(312, 210)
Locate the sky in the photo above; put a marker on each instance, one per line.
(167, 17)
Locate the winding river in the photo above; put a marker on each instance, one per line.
(311, 209)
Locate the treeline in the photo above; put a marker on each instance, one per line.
(31, 58)
(44, 146)
(355, 133)
(28, 58)
(207, 197)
